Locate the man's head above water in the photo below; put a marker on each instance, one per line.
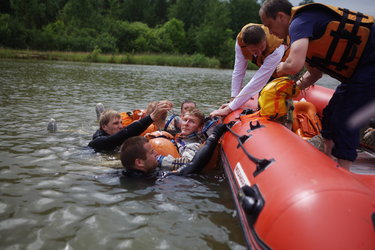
(137, 154)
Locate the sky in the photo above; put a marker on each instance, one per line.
(364, 6)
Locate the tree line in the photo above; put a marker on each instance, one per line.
(206, 27)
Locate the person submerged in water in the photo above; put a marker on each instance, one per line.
(111, 133)
(139, 159)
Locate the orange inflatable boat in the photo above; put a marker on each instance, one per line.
(289, 195)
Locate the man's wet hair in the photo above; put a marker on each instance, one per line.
(271, 7)
(132, 149)
(253, 35)
(107, 116)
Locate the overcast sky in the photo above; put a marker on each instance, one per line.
(364, 6)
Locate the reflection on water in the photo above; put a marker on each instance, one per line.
(56, 193)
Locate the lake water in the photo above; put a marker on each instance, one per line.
(57, 194)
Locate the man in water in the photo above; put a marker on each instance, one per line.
(111, 134)
(188, 141)
(173, 124)
(139, 158)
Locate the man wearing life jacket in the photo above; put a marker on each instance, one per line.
(111, 133)
(338, 42)
(139, 158)
(254, 43)
(187, 142)
(173, 125)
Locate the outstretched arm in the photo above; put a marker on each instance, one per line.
(108, 143)
(202, 157)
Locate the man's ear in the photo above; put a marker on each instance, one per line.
(104, 128)
(200, 128)
(139, 164)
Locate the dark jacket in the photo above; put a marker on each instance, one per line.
(101, 141)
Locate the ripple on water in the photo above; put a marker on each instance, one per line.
(3, 207)
(50, 197)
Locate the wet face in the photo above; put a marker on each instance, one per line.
(113, 126)
(150, 163)
(190, 124)
(258, 49)
(278, 26)
(187, 106)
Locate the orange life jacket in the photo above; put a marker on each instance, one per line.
(338, 51)
(273, 42)
(130, 117)
(306, 122)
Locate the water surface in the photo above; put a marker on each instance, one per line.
(57, 194)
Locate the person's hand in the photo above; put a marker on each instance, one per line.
(221, 112)
(224, 105)
(161, 110)
(279, 69)
(168, 103)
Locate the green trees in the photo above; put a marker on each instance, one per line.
(197, 27)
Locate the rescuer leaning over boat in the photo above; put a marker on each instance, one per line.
(257, 45)
(335, 41)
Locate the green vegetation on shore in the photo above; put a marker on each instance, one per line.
(163, 32)
(195, 60)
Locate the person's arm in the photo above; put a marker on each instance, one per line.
(107, 143)
(309, 77)
(203, 156)
(239, 71)
(296, 59)
(171, 163)
(260, 78)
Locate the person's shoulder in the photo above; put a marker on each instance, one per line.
(99, 133)
(96, 139)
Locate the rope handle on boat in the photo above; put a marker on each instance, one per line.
(261, 164)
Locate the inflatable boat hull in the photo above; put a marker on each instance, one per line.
(288, 194)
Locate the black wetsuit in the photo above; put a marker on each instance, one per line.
(101, 141)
